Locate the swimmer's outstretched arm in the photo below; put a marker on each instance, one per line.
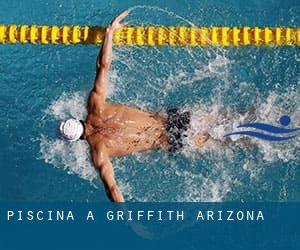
(105, 56)
(103, 164)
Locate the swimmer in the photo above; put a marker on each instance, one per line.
(114, 130)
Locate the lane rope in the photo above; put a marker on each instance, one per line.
(152, 35)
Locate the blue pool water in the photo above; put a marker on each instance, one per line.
(42, 84)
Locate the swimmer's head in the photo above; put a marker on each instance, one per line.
(70, 130)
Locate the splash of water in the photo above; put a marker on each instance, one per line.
(193, 186)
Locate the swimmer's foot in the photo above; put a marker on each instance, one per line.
(200, 140)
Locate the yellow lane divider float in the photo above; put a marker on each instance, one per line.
(152, 36)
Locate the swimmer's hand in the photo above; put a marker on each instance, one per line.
(105, 57)
(115, 24)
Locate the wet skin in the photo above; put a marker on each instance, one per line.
(112, 129)
(118, 130)
(123, 130)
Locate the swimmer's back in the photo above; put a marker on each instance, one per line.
(126, 130)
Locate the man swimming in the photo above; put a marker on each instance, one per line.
(117, 130)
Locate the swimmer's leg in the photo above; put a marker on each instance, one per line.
(200, 140)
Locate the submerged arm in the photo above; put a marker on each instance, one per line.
(103, 164)
(105, 56)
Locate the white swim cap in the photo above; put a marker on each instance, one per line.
(70, 130)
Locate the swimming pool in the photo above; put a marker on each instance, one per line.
(42, 84)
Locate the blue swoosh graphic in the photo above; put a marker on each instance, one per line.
(269, 128)
(261, 136)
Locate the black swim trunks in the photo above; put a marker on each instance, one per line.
(177, 125)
